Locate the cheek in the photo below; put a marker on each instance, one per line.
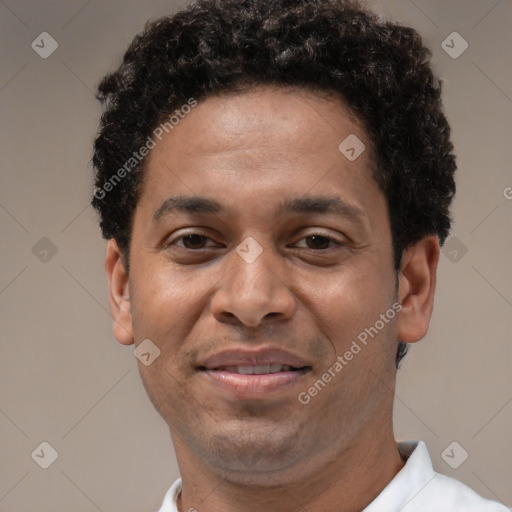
(348, 301)
(164, 310)
(164, 300)
(366, 323)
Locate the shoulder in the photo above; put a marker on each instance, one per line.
(418, 488)
(440, 492)
(444, 493)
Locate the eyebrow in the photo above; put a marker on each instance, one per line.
(304, 204)
(187, 204)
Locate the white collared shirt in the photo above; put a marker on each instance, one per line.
(415, 488)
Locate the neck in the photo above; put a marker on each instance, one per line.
(347, 481)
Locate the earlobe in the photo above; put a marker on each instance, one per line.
(120, 305)
(416, 288)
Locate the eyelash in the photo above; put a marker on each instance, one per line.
(330, 240)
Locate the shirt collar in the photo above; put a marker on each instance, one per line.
(408, 482)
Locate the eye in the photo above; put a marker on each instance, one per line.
(195, 241)
(190, 241)
(319, 241)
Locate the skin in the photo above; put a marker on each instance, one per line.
(192, 298)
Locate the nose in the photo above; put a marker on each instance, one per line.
(253, 291)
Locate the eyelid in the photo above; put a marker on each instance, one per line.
(172, 241)
(333, 240)
(325, 235)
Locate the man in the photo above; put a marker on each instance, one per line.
(274, 179)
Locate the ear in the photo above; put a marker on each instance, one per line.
(120, 305)
(416, 287)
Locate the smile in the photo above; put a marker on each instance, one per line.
(255, 382)
(258, 370)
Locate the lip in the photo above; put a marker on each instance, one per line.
(254, 357)
(253, 386)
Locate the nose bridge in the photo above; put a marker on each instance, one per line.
(253, 287)
(255, 267)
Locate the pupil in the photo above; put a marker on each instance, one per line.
(194, 239)
(316, 238)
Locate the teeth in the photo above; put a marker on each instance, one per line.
(246, 370)
(258, 370)
(274, 368)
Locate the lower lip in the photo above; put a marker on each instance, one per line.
(254, 386)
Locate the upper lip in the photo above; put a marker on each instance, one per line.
(255, 357)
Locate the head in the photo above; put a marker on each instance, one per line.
(311, 136)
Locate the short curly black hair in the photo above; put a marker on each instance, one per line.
(379, 68)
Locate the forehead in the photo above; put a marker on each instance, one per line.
(267, 115)
(266, 140)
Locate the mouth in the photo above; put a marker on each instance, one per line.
(255, 381)
(264, 369)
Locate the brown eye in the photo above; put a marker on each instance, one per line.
(318, 241)
(193, 241)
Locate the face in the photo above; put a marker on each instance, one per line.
(260, 254)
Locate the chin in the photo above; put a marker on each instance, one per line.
(252, 455)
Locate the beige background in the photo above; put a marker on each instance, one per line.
(63, 378)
